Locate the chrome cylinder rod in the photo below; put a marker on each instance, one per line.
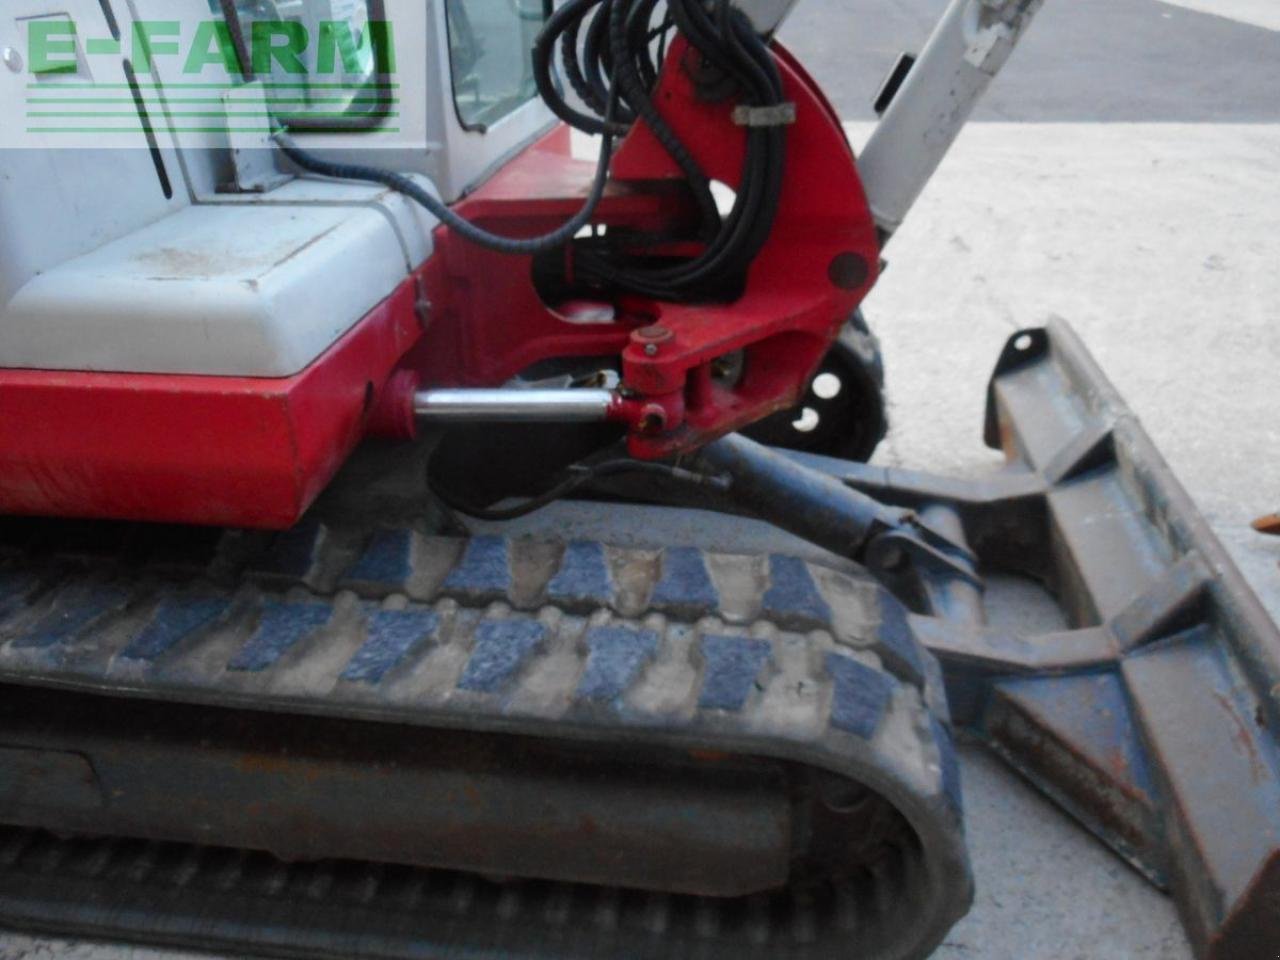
(458, 405)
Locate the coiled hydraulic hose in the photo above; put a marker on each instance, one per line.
(618, 52)
(463, 227)
(614, 75)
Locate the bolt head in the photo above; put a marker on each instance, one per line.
(12, 59)
(651, 350)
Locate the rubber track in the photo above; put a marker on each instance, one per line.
(770, 656)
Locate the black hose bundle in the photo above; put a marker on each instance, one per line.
(611, 52)
(615, 57)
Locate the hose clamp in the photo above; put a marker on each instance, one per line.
(777, 115)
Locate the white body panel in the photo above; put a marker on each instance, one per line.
(254, 289)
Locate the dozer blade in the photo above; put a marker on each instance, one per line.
(1154, 718)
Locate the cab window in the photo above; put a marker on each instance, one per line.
(490, 49)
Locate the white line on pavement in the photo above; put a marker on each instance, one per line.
(1258, 13)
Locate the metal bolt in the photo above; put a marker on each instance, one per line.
(651, 350)
(12, 59)
(654, 333)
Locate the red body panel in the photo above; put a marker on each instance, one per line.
(489, 324)
(256, 452)
(212, 450)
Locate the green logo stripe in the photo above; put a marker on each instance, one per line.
(336, 79)
(248, 102)
(51, 88)
(167, 129)
(211, 114)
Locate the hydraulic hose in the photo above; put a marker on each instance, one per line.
(614, 75)
(402, 184)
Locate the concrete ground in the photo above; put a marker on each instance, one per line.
(1153, 241)
(1124, 173)
(1110, 193)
